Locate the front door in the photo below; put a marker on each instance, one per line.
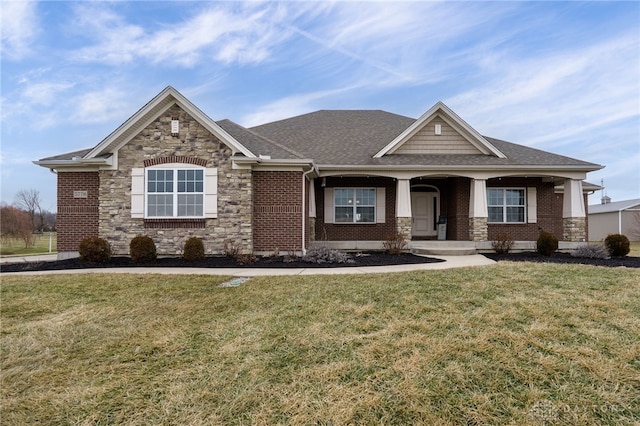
(424, 209)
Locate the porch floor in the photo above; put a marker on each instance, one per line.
(443, 248)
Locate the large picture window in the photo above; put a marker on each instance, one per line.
(506, 205)
(175, 193)
(355, 205)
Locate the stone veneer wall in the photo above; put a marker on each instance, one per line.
(574, 229)
(234, 191)
(404, 226)
(478, 229)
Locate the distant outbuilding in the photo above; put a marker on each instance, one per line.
(620, 217)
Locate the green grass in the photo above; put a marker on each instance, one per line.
(15, 247)
(514, 343)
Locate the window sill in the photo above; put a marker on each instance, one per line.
(354, 223)
(174, 223)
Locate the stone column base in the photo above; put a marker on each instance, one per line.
(478, 230)
(403, 226)
(574, 229)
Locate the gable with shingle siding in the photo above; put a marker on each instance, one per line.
(435, 141)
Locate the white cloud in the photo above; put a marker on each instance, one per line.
(19, 27)
(408, 42)
(101, 105)
(552, 99)
(45, 94)
(228, 35)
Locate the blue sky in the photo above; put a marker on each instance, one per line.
(558, 76)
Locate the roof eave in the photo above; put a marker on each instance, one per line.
(76, 163)
(580, 168)
(159, 103)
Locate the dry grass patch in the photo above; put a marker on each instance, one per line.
(511, 344)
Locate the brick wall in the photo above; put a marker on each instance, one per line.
(277, 211)
(359, 232)
(549, 215)
(457, 208)
(77, 216)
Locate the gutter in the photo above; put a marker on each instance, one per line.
(75, 162)
(419, 167)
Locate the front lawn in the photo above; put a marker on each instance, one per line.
(44, 243)
(514, 343)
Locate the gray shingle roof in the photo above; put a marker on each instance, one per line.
(257, 144)
(337, 137)
(353, 137)
(68, 155)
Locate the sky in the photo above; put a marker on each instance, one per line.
(559, 76)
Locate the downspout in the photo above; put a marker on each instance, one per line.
(619, 221)
(304, 206)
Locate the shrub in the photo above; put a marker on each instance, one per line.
(396, 243)
(193, 249)
(591, 251)
(503, 243)
(547, 243)
(95, 249)
(326, 255)
(142, 249)
(231, 249)
(245, 258)
(617, 245)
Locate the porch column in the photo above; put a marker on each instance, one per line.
(403, 207)
(312, 209)
(478, 212)
(574, 223)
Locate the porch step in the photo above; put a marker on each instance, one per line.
(443, 248)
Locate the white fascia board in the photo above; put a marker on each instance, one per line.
(521, 170)
(79, 163)
(430, 114)
(287, 164)
(160, 103)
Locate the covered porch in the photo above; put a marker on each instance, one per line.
(418, 206)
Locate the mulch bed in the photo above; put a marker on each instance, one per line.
(360, 259)
(559, 257)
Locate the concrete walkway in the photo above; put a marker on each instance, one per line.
(31, 258)
(449, 262)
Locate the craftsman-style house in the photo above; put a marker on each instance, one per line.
(346, 179)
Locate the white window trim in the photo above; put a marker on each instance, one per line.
(355, 206)
(380, 207)
(139, 194)
(505, 205)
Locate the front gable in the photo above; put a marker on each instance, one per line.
(166, 100)
(437, 137)
(440, 131)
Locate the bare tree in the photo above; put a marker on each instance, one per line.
(29, 200)
(16, 223)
